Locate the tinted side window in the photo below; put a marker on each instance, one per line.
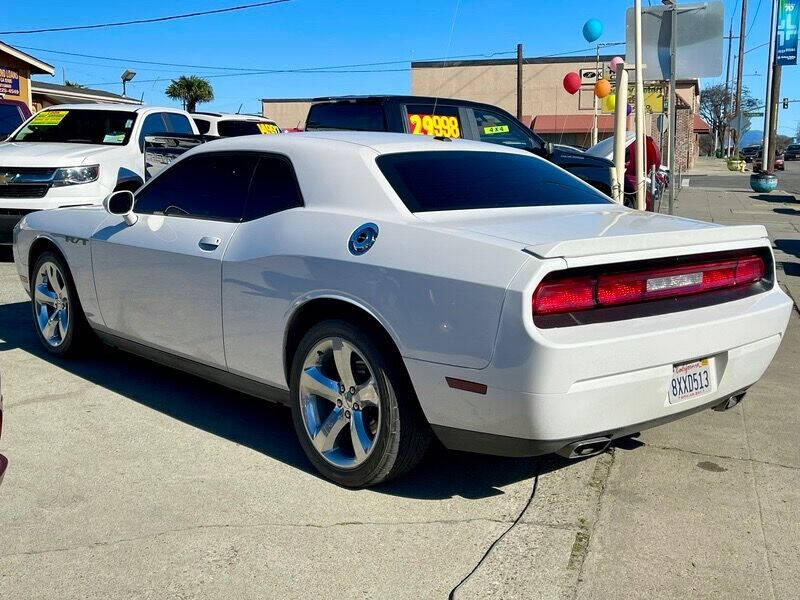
(274, 188)
(178, 123)
(459, 180)
(498, 129)
(10, 118)
(202, 125)
(232, 128)
(348, 116)
(209, 186)
(153, 123)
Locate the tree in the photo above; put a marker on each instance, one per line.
(716, 105)
(190, 90)
(781, 141)
(73, 84)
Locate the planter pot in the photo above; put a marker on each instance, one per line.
(736, 165)
(763, 182)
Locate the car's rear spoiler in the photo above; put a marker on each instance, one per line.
(160, 149)
(647, 241)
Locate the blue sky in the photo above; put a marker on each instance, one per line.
(315, 33)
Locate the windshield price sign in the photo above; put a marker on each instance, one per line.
(49, 117)
(267, 128)
(437, 125)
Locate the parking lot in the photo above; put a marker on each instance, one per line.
(131, 480)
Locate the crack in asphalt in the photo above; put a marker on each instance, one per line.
(722, 456)
(581, 546)
(180, 530)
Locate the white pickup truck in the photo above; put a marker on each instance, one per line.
(76, 154)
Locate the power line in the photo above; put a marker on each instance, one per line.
(151, 20)
(251, 70)
(753, 22)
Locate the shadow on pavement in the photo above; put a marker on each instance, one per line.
(258, 424)
(776, 198)
(788, 246)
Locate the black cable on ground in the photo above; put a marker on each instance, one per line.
(452, 594)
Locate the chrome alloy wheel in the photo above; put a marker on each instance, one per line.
(339, 403)
(51, 303)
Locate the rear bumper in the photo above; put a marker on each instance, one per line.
(501, 445)
(600, 380)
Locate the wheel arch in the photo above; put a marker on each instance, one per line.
(314, 310)
(42, 244)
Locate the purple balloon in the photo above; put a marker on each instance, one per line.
(629, 110)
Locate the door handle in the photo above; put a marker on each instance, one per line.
(209, 242)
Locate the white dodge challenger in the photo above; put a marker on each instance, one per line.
(391, 288)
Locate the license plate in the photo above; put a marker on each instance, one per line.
(692, 380)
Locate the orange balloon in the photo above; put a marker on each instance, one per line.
(602, 88)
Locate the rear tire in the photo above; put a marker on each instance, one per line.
(353, 408)
(57, 314)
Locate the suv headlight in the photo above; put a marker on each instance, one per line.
(76, 175)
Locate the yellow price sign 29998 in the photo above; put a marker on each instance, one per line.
(436, 125)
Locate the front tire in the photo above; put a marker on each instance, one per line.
(57, 314)
(353, 408)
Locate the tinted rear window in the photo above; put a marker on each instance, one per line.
(202, 125)
(348, 116)
(232, 128)
(457, 180)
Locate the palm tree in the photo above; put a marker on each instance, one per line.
(190, 90)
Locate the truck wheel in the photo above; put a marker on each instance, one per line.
(354, 410)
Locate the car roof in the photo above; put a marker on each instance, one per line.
(378, 141)
(214, 116)
(111, 106)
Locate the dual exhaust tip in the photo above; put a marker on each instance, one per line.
(593, 446)
(584, 448)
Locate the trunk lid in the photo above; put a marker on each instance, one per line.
(589, 230)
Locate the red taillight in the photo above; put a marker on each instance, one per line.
(560, 294)
(564, 296)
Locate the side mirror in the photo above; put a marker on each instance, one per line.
(121, 203)
(549, 148)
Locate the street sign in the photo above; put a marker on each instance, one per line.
(698, 40)
(788, 17)
(754, 114)
(740, 123)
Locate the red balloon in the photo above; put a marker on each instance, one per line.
(572, 82)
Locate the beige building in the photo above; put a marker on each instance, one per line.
(288, 113)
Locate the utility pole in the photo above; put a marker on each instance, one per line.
(639, 120)
(739, 71)
(773, 119)
(726, 127)
(672, 107)
(767, 147)
(519, 82)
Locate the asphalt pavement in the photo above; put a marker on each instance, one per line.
(131, 480)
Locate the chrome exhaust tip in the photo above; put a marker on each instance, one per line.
(584, 448)
(729, 403)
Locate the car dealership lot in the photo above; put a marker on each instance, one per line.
(128, 480)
